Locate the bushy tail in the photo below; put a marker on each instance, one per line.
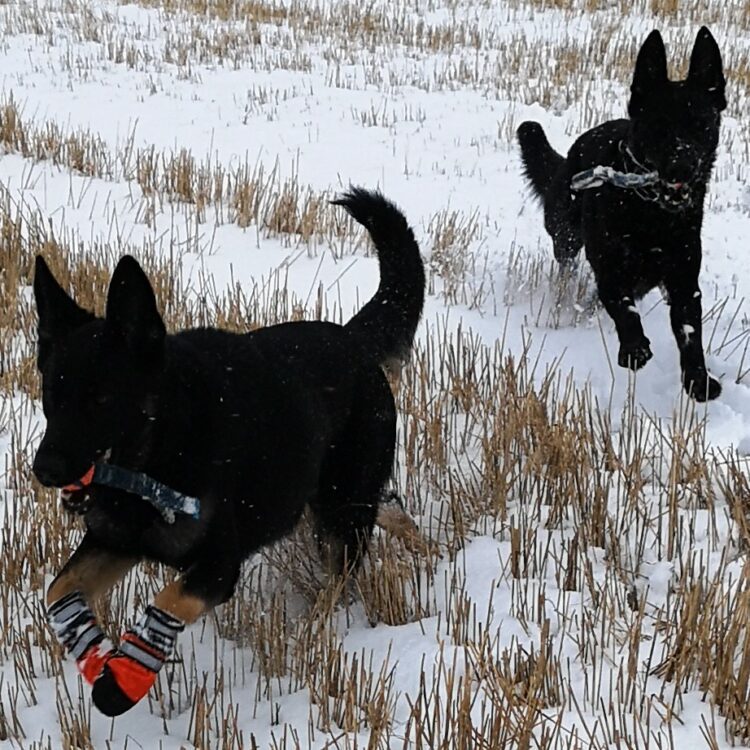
(388, 321)
(540, 160)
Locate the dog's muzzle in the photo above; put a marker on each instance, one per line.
(76, 497)
(78, 502)
(675, 196)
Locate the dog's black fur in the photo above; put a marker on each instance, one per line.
(256, 425)
(635, 243)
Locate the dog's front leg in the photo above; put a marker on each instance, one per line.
(686, 316)
(131, 671)
(635, 348)
(90, 572)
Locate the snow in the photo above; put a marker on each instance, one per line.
(408, 123)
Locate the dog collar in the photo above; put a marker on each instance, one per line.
(647, 184)
(166, 500)
(599, 175)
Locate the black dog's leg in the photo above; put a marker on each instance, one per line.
(635, 348)
(562, 220)
(355, 472)
(131, 671)
(346, 507)
(686, 316)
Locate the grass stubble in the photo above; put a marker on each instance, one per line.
(584, 504)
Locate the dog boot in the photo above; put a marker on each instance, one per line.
(131, 671)
(76, 629)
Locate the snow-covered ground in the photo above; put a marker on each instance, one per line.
(420, 99)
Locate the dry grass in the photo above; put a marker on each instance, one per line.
(249, 194)
(246, 195)
(573, 502)
(389, 42)
(583, 503)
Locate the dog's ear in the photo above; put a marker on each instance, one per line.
(132, 311)
(706, 71)
(650, 73)
(58, 312)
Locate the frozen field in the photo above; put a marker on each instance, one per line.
(589, 586)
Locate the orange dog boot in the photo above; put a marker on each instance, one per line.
(129, 673)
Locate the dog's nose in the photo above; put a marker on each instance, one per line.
(50, 469)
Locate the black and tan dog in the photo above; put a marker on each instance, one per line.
(632, 192)
(230, 436)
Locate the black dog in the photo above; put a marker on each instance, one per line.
(254, 426)
(641, 222)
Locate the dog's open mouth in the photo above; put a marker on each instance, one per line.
(678, 195)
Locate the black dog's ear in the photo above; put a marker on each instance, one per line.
(706, 71)
(131, 309)
(58, 312)
(650, 72)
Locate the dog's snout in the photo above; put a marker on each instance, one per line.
(682, 166)
(50, 468)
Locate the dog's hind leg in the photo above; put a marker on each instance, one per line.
(566, 244)
(345, 514)
(393, 518)
(562, 220)
(354, 474)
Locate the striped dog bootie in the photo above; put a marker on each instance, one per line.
(75, 626)
(130, 671)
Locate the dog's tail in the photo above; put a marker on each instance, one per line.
(540, 160)
(389, 320)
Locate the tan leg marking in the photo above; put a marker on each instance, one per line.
(392, 368)
(332, 555)
(92, 572)
(185, 607)
(398, 522)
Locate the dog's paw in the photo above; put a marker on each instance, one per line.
(701, 386)
(634, 356)
(108, 696)
(121, 684)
